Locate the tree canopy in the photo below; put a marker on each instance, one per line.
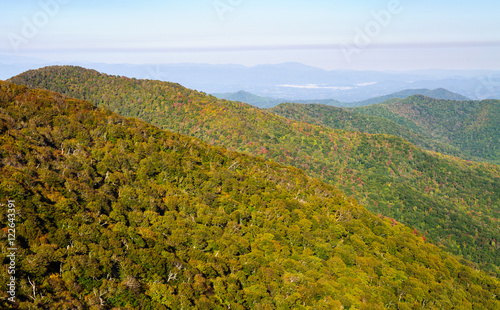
(453, 202)
(116, 213)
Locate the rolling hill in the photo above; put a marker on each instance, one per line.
(453, 202)
(439, 93)
(467, 129)
(345, 119)
(473, 127)
(111, 212)
(268, 102)
(246, 97)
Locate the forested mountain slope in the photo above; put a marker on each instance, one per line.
(473, 127)
(347, 119)
(439, 93)
(453, 202)
(115, 213)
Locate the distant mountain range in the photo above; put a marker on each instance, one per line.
(290, 81)
(246, 97)
(439, 93)
(267, 102)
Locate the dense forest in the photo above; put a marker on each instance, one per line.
(346, 119)
(467, 129)
(115, 213)
(454, 203)
(473, 127)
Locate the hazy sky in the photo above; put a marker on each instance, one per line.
(332, 34)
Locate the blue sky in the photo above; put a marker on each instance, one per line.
(332, 34)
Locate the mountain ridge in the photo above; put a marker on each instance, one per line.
(471, 126)
(385, 173)
(351, 120)
(265, 80)
(118, 213)
(438, 93)
(466, 129)
(246, 97)
(269, 102)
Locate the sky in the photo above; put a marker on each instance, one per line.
(330, 34)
